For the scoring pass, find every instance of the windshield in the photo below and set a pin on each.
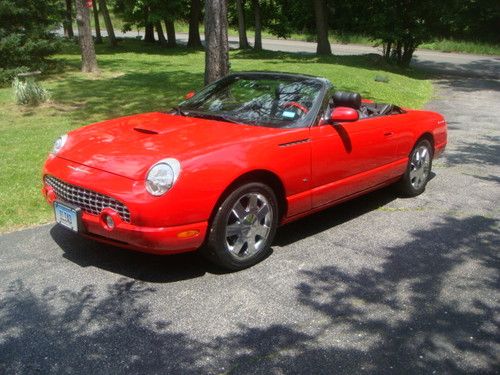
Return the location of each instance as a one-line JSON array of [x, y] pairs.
[[273, 101]]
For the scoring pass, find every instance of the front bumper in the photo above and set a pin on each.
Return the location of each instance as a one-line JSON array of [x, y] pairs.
[[138, 234], [163, 240]]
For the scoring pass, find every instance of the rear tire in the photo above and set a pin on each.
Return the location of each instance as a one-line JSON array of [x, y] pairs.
[[418, 171], [243, 227]]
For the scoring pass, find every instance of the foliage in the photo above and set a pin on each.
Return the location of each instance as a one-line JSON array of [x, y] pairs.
[[142, 12], [400, 25], [29, 92], [25, 34], [471, 20], [403, 25], [7, 75]]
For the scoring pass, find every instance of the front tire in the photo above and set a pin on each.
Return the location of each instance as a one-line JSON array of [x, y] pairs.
[[243, 227], [418, 171]]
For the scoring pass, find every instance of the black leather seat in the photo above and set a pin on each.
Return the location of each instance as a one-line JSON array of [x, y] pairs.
[[347, 99]]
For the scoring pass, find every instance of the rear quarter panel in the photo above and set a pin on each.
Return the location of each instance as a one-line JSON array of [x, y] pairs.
[[417, 124]]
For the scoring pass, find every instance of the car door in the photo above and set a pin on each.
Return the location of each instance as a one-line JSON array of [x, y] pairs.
[[349, 157]]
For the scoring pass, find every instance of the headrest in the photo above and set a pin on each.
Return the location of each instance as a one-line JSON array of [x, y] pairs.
[[347, 99]]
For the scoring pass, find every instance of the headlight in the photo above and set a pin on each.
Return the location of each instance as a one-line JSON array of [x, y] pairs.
[[162, 176], [59, 143]]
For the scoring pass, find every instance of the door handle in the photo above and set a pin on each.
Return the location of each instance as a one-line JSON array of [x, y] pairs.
[[388, 134]]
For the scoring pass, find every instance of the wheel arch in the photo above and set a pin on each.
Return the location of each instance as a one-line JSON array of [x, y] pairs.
[[258, 175], [429, 137]]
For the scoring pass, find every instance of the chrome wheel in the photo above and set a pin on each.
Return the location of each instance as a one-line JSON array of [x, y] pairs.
[[420, 166], [248, 225]]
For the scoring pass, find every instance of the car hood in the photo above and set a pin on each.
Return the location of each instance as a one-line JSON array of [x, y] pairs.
[[129, 146]]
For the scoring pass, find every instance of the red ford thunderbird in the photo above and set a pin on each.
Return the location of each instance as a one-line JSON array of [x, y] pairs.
[[232, 162]]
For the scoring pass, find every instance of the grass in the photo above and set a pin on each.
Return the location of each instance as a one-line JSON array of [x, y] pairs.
[[137, 78], [447, 45]]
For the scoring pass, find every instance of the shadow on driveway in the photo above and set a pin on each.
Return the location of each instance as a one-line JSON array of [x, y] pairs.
[[172, 268], [405, 315]]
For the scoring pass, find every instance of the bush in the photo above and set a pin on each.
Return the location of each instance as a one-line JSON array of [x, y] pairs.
[[29, 92]]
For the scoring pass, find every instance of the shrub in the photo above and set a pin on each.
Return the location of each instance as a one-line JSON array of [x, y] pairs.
[[29, 92]]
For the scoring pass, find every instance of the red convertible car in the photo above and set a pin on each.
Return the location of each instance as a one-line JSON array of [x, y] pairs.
[[234, 161]]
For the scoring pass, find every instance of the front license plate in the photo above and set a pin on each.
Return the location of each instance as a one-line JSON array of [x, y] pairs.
[[66, 216]]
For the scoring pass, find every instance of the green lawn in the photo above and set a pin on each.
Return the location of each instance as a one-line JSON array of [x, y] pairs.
[[138, 78], [448, 45]]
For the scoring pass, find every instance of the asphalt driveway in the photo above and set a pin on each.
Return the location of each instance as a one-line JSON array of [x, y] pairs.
[[377, 285]]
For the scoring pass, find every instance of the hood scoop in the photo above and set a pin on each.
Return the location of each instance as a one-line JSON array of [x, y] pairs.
[[146, 131]]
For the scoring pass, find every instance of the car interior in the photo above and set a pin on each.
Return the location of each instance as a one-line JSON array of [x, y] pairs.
[[366, 108]]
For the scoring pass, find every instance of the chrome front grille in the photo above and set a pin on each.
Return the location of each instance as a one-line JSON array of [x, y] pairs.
[[88, 200]]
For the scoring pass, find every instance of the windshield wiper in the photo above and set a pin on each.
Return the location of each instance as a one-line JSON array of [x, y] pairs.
[[215, 116], [179, 111]]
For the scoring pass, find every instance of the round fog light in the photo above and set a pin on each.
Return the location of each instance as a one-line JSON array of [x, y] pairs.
[[110, 222]]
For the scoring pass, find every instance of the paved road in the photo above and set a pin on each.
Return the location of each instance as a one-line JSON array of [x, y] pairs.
[[377, 285], [479, 66]]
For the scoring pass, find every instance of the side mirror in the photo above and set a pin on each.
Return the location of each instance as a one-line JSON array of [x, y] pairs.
[[344, 114], [189, 95]]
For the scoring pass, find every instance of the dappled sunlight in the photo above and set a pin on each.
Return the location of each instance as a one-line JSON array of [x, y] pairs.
[[415, 316], [128, 93], [484, 151], [404, 314], [89, 330]]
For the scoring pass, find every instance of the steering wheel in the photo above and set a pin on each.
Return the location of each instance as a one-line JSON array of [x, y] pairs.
[[296, 105]]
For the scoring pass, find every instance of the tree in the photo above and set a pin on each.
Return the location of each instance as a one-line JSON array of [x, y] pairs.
[[89, 60], [320, 12], [68, 20], [161, 35], [26, 38], [217, 44], [103, 7], [403, 25], [150, 14], [242, 30], [149, 32], [172, 42], [98, 37], [194, 39], [258, 25]]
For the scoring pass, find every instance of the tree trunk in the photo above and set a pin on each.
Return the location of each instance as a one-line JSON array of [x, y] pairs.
[[172, 42], [89, 60], [217, 44], [387, 50], [161, 36], [242, 30], [258, 26], [408, 50], [149, 33], [398, 52], [103, 7], [98, 37], [194, 39], [320, 12], [68, 20]]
